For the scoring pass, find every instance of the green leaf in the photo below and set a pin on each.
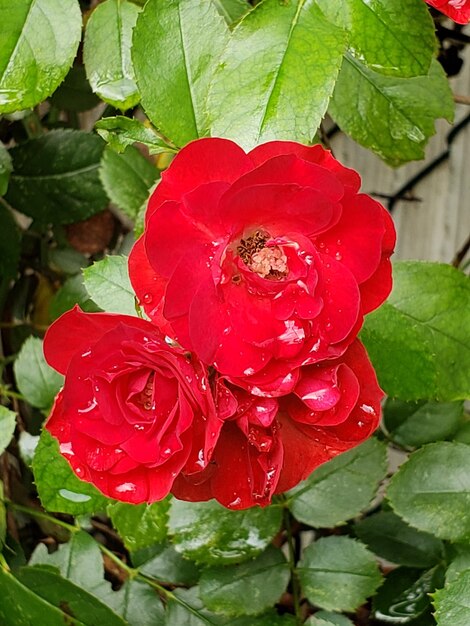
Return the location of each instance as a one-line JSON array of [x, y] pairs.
[[326, 617], [3, 518], [40, 596], [190, 611], [461, 563], [121, 132], [107, 53], [75, 93], [392, 116], [59, 489], [380, 35], [414, 424], [39, 42], [56, 177], [341, 488], [419, 340], [9, 244], [404, 596], [209, 533], [137, 603], [5, 169], [7, 427], [248, 588], [107, 282], [176, 46], [127, 178], [463, 434], [140, 525], [67, 260], [27, 446], [71, 293], [36, 380], [452, 603], [338, 573], [431, 491], [231, 10], [388, 536], [276, 74], [162, 562]]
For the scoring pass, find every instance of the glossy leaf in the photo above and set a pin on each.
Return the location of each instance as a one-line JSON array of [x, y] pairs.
[[392, 116], [7, 427], [58, 488], [322, 618], [75, 93], [461, 563], [127, 179], [36, 380], [431, 491], [209, 533], [419, 340], [39, 42], [162, 562], [246, 589], [107, 53], [107, 282], [191, 611], [121, 132], [231, 10], [388, 536], [276, 74], [56, 178], [380, 35], [452, 603], [140, 525], [417, 423], [341, 488], [404, 596], [5, 169], [173, 64], [9, 244], [338, 573]]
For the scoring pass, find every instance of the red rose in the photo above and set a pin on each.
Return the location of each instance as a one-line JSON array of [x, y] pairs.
[[134, 412], [458, 10], [268, 445], [262, 262]]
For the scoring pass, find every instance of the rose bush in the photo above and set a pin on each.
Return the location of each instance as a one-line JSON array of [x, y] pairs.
[[263, 262], [134, 412], [458, 10], [268, 445]]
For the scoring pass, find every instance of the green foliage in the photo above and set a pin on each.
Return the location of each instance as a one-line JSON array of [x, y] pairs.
[[411, 106], [121, 132], [39, 42], [209, 533], [7, 427], [388, 536], [248, 588], [127, 179], [5, 169], [341, 488], [107, 53], [36, 380], [452, 603], [419, 340], [338, 573], [58, 487], [231, 10], [56, 177], [285, 93], [172, 65], [326, 618], [162, 562], [71, 293], [414, 424], [108, 284], [140, 525], [431, 491]]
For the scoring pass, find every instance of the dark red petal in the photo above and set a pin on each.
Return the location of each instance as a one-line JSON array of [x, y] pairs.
[[314, 154]]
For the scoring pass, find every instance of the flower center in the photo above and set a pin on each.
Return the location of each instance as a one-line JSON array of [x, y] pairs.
[[266, 261]]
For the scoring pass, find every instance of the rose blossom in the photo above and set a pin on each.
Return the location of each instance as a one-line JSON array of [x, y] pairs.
[[458, 10], [268, 445], [134, 412], [263, 262]]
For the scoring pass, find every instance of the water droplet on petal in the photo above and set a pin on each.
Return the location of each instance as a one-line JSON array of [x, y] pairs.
[[147, 299], [338, 256]]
